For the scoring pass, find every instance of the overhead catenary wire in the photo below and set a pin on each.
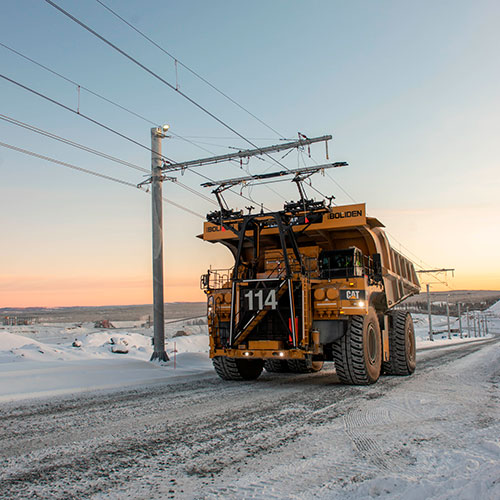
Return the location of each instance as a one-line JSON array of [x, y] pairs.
[[124, 109], [100, 96], [98, 153], [100, 124], [92, 172], [92, 120], [390, 234], [148, 70], [162, 80], [78, 85], [197, 75], [69, 142]]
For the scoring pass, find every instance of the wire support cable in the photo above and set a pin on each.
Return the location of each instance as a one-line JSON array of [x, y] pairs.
[[148, 70], [88, 149], [78, 85], [98, 153], [106, 99], [197, 75], [90, 119], [107, 128], [161, 79], [92, 172]]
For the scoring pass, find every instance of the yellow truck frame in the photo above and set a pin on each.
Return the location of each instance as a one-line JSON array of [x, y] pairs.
[[309, 286]]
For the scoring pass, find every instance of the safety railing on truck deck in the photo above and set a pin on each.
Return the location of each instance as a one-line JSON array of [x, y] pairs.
[[216, 279], [363, 267], [278, 268]]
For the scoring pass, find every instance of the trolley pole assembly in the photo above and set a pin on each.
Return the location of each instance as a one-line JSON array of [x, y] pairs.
[[158, 169], [159, 353]]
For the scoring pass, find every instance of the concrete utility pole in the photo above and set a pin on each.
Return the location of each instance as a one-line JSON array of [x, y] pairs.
[[468, 323], [157, 134], [429, 312], [460, 320], [431, 271], [448, 314], [474, 322]]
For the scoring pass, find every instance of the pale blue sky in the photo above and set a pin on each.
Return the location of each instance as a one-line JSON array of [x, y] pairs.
[[409, 90]]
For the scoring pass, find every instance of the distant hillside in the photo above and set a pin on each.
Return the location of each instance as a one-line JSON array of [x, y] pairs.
[[473, 299], [113, 313]]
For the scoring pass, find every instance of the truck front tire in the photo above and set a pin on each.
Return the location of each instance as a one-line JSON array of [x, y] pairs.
[[358, 353]]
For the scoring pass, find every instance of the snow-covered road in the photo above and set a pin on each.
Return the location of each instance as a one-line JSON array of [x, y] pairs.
[[435, 434]]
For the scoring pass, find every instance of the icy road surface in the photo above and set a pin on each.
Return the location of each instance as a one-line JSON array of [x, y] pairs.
[[435, 434]]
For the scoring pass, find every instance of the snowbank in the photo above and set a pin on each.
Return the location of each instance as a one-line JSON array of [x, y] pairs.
[[495, 309], [45, 360]]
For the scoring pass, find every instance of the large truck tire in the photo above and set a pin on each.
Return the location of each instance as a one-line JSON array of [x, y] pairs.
[[301, 366], [237, 369], [276, 365], [358, 353], [402, 355]]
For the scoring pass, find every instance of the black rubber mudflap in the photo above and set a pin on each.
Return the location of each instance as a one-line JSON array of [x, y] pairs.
[[401, 349], [276, 365], [237, 369]]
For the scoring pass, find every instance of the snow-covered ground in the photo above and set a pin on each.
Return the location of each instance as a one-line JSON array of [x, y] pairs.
[[40, 360], [117, 426]]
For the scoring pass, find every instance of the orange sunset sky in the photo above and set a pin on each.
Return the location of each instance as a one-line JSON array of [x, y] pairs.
[[410, 92]]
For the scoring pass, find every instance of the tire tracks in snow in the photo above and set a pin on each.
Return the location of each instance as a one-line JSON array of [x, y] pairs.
[[192, 432]]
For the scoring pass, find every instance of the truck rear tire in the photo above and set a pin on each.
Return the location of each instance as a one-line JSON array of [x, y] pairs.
[[358, 353], [402, 358], [301, 366], [276, 365], [237, 369]]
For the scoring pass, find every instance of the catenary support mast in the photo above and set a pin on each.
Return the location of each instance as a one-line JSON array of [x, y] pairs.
[[159, 353]]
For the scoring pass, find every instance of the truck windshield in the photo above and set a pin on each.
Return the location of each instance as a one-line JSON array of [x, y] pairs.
[[341, 263]]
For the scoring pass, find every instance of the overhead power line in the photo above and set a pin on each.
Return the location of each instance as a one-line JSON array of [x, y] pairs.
[[100, 96], [165, 82], [91, 172], [108, 128], [128, 111], [92, 120], [64, 164], [45, 133], [197, 75], [78, 85], [148, 70], [97, 153]]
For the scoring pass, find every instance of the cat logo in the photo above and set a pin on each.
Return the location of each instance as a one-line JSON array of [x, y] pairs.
[[352, 294]]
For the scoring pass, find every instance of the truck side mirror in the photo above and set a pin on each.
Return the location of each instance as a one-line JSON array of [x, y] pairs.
[[377, 267], [204, 281]]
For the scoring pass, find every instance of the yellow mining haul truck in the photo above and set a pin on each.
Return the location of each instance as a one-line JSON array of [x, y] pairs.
[[309, 286]]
